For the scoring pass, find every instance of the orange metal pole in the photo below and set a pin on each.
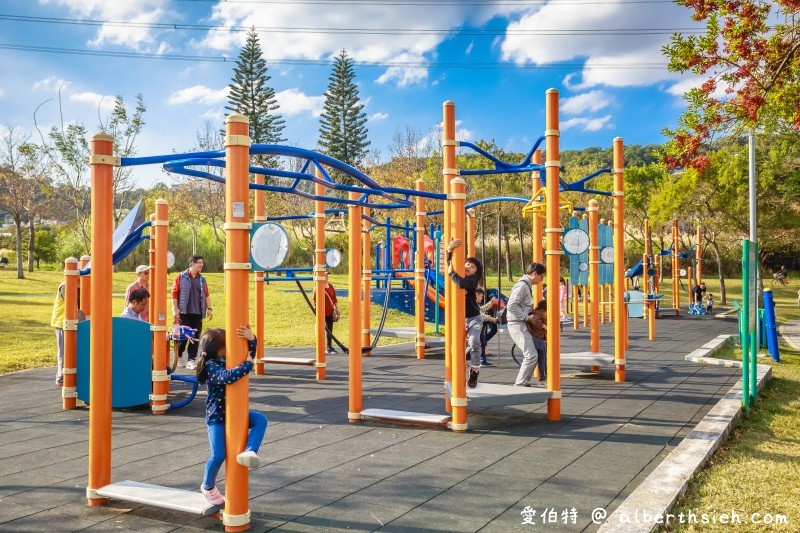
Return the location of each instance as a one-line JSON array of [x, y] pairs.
[[458, 317], [102, 164], [553, 253], [536, 182], [258, 281], [86, 289], [699, 254], [471, 233], [366, 267], [354, 270], [319, 278], [689, 280], [158, 297], [151, 257], [449, 171], [237, 313], [594, 276], [620, 309], [68, 391], [676, 285], [419, 272]]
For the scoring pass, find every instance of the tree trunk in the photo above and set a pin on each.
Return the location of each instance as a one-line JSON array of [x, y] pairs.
[[521, 247], [31, 244], [509, 275], [194, 240], [18, 225], [722, 292]]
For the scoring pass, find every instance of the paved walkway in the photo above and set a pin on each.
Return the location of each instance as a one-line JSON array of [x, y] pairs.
[[791, 333], [322, 472]]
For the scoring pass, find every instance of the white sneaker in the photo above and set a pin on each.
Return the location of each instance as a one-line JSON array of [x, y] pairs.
[[181, 362], [191, 364], [248, 458]]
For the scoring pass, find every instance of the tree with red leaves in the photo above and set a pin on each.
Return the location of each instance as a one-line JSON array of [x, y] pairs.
[[750, 54]]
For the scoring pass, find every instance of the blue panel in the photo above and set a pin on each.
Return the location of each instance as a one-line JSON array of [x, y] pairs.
[[583, 278], [131, 350]]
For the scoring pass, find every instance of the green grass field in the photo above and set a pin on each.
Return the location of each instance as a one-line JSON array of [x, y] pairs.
[[28, 341]]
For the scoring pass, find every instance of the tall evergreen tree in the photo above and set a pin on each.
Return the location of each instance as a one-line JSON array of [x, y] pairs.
[[343, 131], [252, 97]]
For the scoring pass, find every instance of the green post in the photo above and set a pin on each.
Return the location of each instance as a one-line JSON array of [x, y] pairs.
[[754, 342]]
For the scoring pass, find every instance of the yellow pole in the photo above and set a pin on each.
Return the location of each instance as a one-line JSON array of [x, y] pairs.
[[86, 288], [71, 282], [319, 279], [449, 171], [258, 281], [594, 276], [553, 254], [536, 182], [354, 300], [419, 273], [101, 162], [158, 295], [458, 317], [620, 309], [366, 272], [236, 516]]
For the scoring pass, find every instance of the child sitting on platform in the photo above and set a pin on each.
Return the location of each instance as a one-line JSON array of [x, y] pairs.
[[211, 371]]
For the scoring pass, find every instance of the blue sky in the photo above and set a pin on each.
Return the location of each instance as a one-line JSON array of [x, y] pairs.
[[494, 59]]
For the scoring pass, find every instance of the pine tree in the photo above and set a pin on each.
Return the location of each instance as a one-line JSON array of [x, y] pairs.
[[252, 97], [342, 132]]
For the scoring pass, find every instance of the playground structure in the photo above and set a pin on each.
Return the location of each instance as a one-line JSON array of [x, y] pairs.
[[365, 195]]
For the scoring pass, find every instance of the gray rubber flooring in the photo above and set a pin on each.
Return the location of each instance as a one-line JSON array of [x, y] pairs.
[[325, 474]]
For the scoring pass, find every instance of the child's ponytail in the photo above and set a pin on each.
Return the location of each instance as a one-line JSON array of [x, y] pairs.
[[211, 344]]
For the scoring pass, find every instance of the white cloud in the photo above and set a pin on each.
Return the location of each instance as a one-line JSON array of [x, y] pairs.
[[138, 38], [103, 102], [363, 46], [2, 93], [377, 116], [49, 84], [612, 58], [198, 93], [295, 102], [468, 51], [685, 85], [591, 101], [587, 123]]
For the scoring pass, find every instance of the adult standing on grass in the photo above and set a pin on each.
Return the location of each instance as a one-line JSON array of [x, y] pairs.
[[142, 282], [519, 311], [57, 322], [332, 312], [191, 304]]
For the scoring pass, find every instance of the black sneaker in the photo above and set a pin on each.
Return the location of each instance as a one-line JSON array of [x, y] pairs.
[[472, 382], [485, 362]]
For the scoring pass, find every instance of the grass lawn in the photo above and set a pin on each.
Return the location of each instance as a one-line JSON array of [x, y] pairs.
[[28, 341]]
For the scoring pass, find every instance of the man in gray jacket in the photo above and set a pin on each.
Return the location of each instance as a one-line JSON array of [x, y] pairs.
[[519, 308]]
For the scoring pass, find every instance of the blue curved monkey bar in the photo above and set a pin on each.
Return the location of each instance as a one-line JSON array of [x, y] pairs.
[[486, 201], [500, 166]]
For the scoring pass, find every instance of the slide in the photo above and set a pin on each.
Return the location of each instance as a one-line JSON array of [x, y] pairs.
[[635, 270], [431, 293]]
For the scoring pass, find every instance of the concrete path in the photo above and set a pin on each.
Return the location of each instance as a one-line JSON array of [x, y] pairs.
[[322, 472], [790, 332]]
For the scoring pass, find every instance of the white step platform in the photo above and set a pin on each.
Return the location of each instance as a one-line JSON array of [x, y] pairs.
[[166, 497], [303, 361], [407, 333], [405, 417], [587, 359], [492, 395]]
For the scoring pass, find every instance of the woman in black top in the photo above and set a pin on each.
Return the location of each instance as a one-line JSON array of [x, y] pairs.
[[474, 273]]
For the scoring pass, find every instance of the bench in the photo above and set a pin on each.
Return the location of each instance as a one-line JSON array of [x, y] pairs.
[[154, 495], [405, 417]]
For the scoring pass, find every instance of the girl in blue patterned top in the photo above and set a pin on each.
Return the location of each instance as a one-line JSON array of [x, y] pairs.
[[211, 371]]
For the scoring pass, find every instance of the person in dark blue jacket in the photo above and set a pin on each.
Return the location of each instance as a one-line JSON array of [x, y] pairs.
[[211, 371]]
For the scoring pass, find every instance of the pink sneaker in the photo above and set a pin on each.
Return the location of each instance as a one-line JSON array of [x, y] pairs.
[[213, 496]]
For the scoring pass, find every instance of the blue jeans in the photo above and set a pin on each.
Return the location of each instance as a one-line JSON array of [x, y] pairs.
[[216, 440]]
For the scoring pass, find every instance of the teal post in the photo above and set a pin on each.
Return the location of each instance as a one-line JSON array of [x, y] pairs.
[[754, 343], [744, 324]]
